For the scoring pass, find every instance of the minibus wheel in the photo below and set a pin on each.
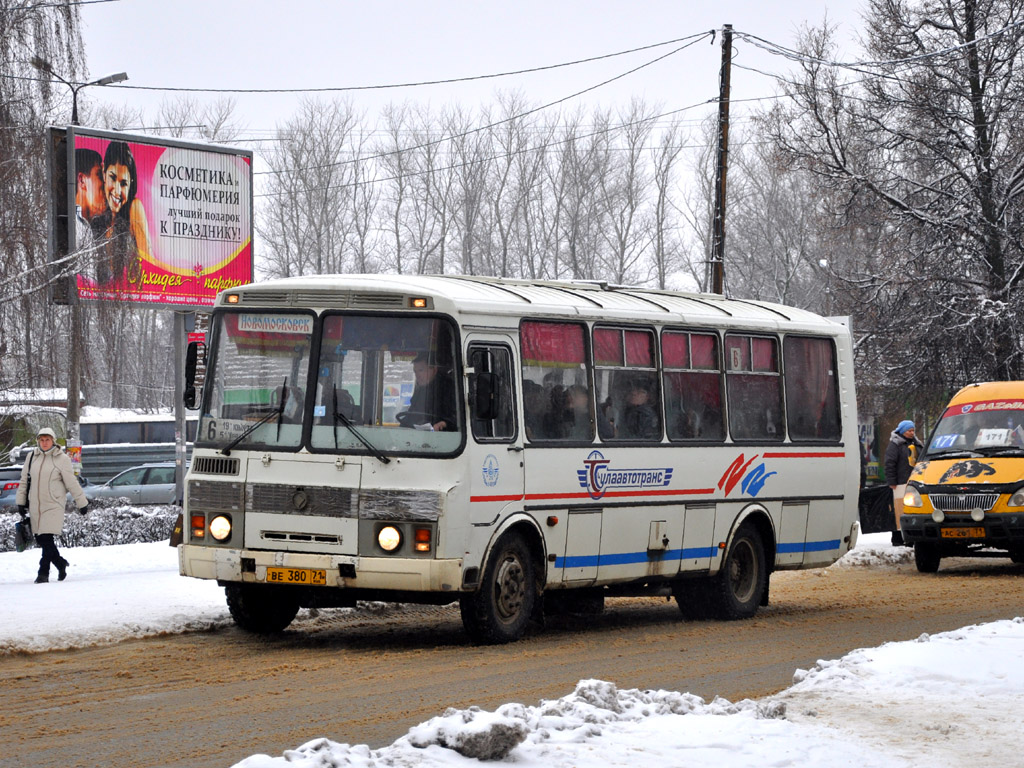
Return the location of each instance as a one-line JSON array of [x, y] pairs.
[[500, 609], [926, 557], [735, 592], [260, 608]]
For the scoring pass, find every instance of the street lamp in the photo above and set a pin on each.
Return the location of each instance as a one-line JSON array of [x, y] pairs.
[[75, 366], [44, 66]]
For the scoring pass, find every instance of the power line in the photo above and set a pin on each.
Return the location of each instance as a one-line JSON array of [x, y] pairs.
[[693, 41], [417, 84]]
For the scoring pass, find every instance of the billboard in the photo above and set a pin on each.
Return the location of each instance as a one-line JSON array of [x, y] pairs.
[[154, 221]]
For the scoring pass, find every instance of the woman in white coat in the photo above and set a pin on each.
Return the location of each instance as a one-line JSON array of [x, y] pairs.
[[46, 479]]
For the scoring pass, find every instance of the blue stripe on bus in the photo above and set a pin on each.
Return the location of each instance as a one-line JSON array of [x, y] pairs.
[[694, 553], [629, 558], [810, 546]]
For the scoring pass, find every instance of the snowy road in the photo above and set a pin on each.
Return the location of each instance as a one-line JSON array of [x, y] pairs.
[[211, 698]]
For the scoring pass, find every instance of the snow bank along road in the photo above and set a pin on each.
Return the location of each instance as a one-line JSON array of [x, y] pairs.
[[367, 676]]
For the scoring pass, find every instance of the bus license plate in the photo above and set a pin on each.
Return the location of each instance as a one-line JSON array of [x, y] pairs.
[[308, 576], [971, 532]]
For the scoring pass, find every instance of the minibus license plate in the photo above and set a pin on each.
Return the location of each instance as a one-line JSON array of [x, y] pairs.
[[309, 576], [971, 532]]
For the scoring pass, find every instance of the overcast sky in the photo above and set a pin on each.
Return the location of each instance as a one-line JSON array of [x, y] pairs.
[[320, 43]]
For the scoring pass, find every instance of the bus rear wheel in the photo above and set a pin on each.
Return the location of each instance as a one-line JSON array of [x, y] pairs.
[[926, 557], [261, 608], [500, 609], [735, 591]]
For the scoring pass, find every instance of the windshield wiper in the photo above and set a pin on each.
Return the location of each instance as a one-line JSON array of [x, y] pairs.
[[339, 416], [279, 412], [958, 454], [1001, 450]]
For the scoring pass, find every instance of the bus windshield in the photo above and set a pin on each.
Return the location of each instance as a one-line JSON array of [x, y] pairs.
[[379, 385], [979, 428], [386, 381], [257, 380]]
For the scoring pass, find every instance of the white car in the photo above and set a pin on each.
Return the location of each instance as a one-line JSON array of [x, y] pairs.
[[145, 484]]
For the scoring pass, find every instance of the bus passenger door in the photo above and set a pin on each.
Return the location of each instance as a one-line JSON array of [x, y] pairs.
[[495, 448]]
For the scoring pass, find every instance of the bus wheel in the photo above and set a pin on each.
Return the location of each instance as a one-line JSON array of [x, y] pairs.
[[926, 557], [735, 591], [500, 609], [261, 609]]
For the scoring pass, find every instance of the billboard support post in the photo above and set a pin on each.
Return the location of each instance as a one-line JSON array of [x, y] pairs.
[[179, 406]]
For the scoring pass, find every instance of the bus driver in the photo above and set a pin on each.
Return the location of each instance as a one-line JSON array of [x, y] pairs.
[[433, 399]]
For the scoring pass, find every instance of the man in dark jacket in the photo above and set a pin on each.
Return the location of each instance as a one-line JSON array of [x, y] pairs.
[[900, 458], [433, 398]]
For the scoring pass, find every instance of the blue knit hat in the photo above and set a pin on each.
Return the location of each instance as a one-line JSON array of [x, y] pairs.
[[903, 426]]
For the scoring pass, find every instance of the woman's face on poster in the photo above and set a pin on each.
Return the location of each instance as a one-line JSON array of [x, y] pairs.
[[117, 181]]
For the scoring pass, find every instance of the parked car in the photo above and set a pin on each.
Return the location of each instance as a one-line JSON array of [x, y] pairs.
[[145, 484], [10, 477]]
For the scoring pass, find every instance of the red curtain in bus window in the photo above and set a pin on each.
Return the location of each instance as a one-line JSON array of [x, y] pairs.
[[764, 355], [559, 343], [333, 326], [704, 349], [607, 346], [639, 349], [737, 353], [675, 350]]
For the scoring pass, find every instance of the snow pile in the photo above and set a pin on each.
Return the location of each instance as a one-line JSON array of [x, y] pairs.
[[904, 704]]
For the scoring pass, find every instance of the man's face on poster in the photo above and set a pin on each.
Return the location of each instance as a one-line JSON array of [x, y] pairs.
[[90, 193], [117, 182]]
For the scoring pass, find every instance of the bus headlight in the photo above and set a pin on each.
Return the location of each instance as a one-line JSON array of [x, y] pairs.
[[1017, 499], [220, 527], [389, 538], [912, 498]]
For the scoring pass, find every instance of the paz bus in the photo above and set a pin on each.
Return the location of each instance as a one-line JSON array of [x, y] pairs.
[[596, 440]]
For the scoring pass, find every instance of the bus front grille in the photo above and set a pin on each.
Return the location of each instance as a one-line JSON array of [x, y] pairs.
[[965, 502], [215, 465]]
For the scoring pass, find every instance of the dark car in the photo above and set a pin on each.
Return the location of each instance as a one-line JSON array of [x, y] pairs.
[[145, 484], [10, 477]]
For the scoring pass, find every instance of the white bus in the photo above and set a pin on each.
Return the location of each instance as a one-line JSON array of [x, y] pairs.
[[516, 446]]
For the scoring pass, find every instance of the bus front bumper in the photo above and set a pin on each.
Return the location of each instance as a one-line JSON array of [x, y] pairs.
[[386, 573]]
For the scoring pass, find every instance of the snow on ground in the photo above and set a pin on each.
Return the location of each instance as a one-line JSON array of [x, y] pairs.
[[941, 700]]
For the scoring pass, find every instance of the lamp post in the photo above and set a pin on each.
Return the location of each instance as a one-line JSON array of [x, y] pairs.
[[44, 66], [75, 366]]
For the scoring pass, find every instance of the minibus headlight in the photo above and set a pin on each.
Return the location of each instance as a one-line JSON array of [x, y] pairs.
[[389, 538], [220, 527], [912, 498], [1017, 499]]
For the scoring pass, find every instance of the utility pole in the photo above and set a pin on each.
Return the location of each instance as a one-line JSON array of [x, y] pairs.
[[716, 265]]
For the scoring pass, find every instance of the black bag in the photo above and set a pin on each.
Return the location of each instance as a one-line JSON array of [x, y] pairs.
[[23, 535]]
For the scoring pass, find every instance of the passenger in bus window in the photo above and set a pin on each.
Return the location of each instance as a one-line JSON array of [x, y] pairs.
[[606, 419], [640, 419], [534, 410], [433, 398], [578, 410]]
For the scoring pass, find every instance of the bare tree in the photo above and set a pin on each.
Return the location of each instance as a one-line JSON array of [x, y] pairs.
[[932, 132]]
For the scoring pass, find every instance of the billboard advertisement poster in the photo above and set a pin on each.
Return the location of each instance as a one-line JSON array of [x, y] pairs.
[[157, 221]]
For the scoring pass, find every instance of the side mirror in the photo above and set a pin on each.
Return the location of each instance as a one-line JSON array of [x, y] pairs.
[[484, 407], [192, 356]]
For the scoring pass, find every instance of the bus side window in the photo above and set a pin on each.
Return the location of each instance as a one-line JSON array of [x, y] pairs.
[[498, 421]]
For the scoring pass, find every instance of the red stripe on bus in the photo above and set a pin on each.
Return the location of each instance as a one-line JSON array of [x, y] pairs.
[[808, 455], [517, 497]]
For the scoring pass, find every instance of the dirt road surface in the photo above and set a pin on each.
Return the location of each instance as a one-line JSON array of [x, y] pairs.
[[213, 699]]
